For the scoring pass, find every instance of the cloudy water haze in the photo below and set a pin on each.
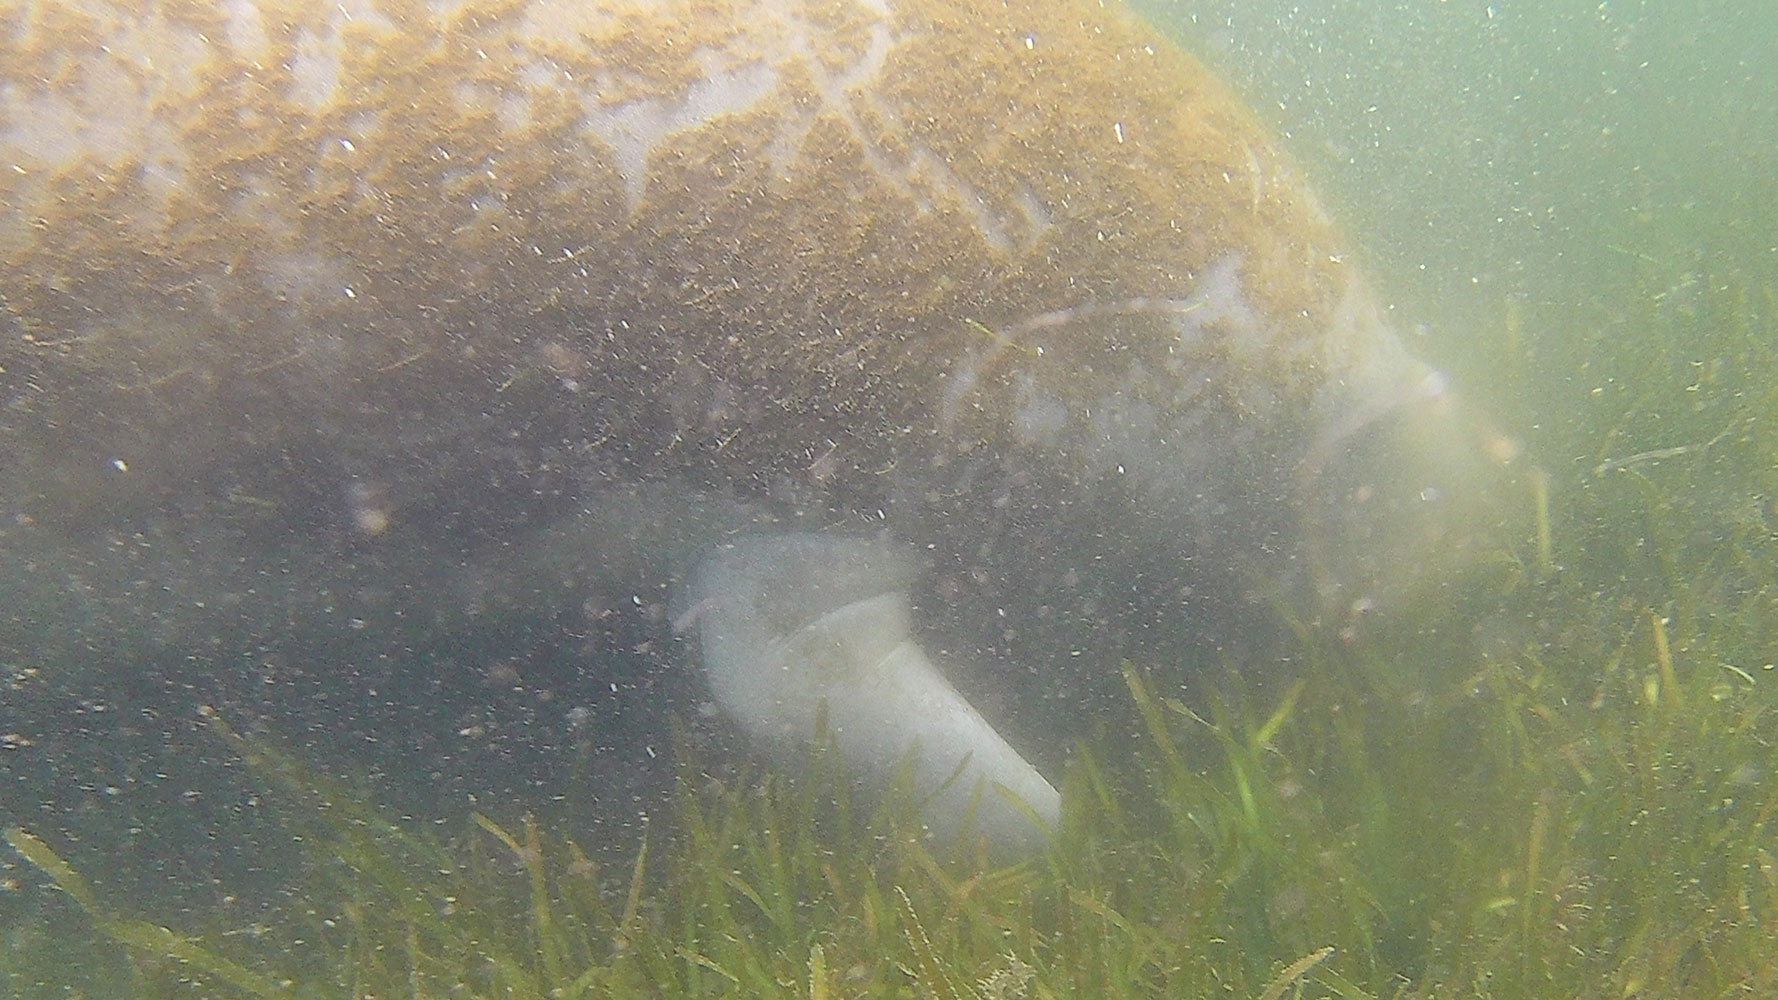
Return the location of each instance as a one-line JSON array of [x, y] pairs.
[[1512, 735]]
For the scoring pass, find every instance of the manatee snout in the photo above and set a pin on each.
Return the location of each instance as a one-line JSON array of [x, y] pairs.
[[1403, 498]]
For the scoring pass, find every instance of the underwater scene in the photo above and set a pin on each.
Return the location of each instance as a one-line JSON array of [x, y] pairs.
[[888, 498]]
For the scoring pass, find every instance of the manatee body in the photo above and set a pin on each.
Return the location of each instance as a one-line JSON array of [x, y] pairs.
[[379, 285]]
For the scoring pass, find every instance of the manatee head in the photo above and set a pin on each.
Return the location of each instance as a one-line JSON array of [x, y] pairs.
[[1401, 501]]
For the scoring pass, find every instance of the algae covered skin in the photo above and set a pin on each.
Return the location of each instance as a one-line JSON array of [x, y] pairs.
[[1022, 283]]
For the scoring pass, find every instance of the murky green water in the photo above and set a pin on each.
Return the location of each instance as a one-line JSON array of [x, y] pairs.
[[1558, 778], [1517, 149]]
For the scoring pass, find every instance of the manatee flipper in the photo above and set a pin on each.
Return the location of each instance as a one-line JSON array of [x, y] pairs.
[[790, 622]]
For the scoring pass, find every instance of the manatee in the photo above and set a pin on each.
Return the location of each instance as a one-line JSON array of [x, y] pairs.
[[880, 337]]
